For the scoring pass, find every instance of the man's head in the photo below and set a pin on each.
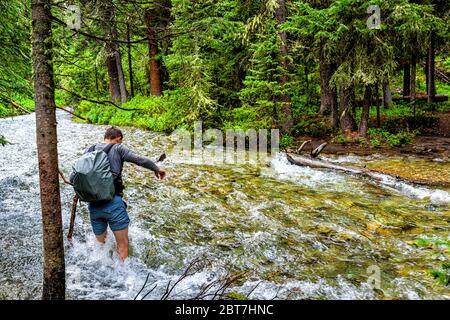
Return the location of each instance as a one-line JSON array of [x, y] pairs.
[[113, 135]]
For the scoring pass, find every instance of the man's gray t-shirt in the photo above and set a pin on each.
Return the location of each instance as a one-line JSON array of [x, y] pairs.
[[119, 154]]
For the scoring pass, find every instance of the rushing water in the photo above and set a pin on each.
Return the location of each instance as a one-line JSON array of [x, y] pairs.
[[296, 232]]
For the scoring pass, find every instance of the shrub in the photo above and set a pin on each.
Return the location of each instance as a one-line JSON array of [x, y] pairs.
[[3, 141], [286, 141], [378, 136], [314, 126], [375, 142], [162, 114]]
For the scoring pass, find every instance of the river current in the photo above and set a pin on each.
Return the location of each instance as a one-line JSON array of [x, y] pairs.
[[293, 232]]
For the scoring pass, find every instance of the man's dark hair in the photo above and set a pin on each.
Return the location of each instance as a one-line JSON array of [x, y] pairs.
[[112, 133]]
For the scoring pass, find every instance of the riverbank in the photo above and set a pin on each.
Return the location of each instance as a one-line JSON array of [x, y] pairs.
[[429, 147], [433, 145]]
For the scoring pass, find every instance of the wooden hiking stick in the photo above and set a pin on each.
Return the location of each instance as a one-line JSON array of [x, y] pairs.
[[74, 207], [72, 217]]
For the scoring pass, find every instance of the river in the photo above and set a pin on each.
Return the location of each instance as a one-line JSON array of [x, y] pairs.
[[298, 233]]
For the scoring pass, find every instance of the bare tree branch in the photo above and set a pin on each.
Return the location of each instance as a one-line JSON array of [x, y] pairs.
[[102, 102], [145, 283], [72, 113]]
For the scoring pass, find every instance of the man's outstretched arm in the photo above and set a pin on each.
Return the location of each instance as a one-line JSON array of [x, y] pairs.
[[130, 156]]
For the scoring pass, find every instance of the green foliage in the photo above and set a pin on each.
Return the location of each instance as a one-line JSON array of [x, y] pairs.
[[236, 296], [375, 142], [222, 61], [346, 139], [429, 242], [378, 136], [162, 114], [315, 126], [15, 56], [25, 101], [442, 274], [3, 141], [286, 141]]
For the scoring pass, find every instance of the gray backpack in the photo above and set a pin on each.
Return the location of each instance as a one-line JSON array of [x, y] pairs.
[[91, 177]]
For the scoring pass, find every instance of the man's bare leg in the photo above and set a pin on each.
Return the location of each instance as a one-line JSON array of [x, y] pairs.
[[122, 243], [102, 238]]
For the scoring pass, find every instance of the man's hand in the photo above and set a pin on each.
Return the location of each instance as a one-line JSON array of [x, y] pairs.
[[160, 174]]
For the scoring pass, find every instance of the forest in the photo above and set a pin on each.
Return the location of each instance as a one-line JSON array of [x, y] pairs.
[[365, 84], [310, 68]]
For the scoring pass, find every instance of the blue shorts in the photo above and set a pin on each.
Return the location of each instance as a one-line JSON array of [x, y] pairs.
[[112, 213]]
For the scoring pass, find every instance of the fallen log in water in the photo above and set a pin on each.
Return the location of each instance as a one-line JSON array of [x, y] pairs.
[[422, 97], [313, 162], [418, 97]]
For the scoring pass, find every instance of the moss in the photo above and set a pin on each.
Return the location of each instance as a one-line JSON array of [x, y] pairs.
[[236, 296], [3, 141]]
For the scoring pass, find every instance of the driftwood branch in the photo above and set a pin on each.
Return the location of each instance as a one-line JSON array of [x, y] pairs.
[[303, 145], [315, 153], [300, 160], [422, 97]]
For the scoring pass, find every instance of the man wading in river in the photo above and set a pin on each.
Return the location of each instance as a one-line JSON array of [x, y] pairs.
[[113, 212]]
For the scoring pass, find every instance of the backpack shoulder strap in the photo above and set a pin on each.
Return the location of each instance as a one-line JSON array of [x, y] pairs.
[[91, 148], [108, 148]]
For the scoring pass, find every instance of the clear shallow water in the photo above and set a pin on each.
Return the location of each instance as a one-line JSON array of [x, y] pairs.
[[297, 232]]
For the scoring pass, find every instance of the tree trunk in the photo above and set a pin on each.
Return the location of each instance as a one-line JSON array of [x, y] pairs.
[[406, 80], [377, 104], [431, 85], [334, 109], [413, 86], [117, 88], [425, 71], [166, 42], [155, 68], [285, 99], [46, 139], [347, 121], [122, 86], [166, 20], [364, 124], [307, 84], [326, 91], [96, 79], [387, 95], [113, 73], [130, 63]]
